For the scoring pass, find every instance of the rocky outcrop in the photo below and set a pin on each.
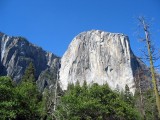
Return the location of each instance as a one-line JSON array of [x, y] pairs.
[[95, 56], [16, 53], [100, 57]]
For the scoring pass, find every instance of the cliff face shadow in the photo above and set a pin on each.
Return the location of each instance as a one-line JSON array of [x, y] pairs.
[[3, 70]]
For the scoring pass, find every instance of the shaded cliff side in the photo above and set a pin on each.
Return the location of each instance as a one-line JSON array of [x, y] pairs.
[[16, 53]]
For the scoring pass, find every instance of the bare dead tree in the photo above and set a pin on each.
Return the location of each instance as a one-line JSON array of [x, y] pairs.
[[150, 56], [52, 96]]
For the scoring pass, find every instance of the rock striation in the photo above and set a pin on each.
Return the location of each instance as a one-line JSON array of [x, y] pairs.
[[100, 57], [15, 55]]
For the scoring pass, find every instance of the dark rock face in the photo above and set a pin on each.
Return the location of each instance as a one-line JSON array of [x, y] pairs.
[[47, 79], [16, 53]]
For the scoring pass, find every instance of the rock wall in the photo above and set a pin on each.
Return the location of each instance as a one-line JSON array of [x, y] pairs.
[[16, 53], [95, 56], [99, 57]]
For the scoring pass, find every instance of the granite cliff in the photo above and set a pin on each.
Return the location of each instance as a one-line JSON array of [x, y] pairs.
[[100, 57], [15, 55]]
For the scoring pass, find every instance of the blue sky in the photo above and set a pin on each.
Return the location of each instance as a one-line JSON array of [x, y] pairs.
[[52, 24]]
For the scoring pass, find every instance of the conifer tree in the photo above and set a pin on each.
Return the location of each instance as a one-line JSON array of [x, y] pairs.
[[29, 97], [29, 74], [8, 101], [128, 97]]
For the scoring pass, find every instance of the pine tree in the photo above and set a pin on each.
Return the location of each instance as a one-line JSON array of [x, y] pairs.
[[29, 98], [8, 101], [128, 97], [29, 74]]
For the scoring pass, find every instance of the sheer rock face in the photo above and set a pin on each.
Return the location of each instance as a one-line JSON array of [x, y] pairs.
[[16, 53], [99, 57], [95, 56]]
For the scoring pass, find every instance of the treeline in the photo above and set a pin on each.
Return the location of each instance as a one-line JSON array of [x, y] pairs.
[[22, 101], [94, 102], [99, 102]]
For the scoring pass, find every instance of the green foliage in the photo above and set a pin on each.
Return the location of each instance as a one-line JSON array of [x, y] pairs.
[[94, 102], [29, 99], [29, 74], [22, 102], [128, 97], [150, 105], [45, 101], [8, 102], [149, 102]]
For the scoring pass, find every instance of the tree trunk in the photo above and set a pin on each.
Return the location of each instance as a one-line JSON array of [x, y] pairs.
[[147, 36], [141, 95]]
